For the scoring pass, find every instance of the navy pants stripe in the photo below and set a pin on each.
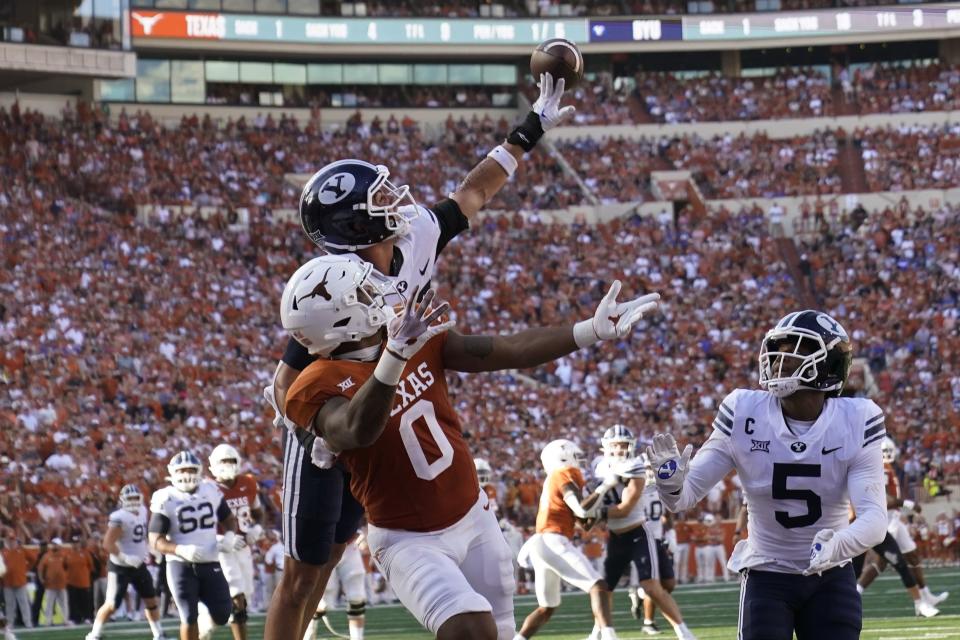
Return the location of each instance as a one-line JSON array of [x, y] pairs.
[[775, 605]]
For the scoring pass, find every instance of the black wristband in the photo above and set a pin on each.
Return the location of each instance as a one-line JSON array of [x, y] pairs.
[[528, 133]]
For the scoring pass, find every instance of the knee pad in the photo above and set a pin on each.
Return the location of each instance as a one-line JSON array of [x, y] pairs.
[[356, 608], [239, 615], [906, 576]]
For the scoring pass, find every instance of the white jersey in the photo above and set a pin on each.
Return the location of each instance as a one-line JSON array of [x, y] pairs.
[[796, 485], [652, 511], [133, 533], [193, 516], [418, 249], [614, 497]]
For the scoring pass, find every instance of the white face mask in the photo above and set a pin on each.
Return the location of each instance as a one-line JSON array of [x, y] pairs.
[[366, 354]]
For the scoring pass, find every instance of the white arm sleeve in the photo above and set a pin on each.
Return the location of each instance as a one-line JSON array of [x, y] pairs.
[[865, 486], [570, 498], [707, 467]]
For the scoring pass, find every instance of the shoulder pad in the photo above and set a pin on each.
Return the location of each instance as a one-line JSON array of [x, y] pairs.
[[726, 412], [874, 429]]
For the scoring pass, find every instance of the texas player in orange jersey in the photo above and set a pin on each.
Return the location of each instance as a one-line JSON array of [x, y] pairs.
[[551, 551], [241, 493], [384, 410]]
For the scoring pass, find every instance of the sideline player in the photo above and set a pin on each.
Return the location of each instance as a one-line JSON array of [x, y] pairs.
[[803, 455], [126, 542], [431, 529], [183, 527], [350, 577], [632, 539], [241, 493], [551, 552], [351, 208]]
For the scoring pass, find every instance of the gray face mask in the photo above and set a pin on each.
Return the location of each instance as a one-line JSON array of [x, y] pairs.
[[367, 354]]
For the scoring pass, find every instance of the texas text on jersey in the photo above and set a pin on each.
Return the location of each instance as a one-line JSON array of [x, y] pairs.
[[242, 498], [431, 487]]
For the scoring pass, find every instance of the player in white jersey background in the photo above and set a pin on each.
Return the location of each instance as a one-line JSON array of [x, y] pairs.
[[126, 542], [803, 455], [631, 542], [183, 527]]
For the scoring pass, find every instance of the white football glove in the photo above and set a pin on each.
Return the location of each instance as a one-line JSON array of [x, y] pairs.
[[548, 106], [195, 553], [631, 468], [613, 319], [412, 329], [230, 542], [255, 531], [669, 465], [822, 552], [130, 559]]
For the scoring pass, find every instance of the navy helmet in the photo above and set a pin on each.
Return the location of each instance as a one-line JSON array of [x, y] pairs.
[[351, 204], [817, 356]]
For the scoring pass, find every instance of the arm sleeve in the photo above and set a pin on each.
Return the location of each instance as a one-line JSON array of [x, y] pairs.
[[451, 221], [869, 499], [571, 500], [710, 464], [223, 511], [159, 523], [296, 355]]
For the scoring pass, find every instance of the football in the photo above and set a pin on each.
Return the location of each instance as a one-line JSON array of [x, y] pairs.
[[561, 59]]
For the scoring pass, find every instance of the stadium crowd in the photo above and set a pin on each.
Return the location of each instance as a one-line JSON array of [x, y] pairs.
[[911, 157], [123, 342]]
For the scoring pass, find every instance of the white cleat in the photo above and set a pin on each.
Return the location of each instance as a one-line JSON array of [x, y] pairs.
[[90, 636], [924, 609], [937, 598]]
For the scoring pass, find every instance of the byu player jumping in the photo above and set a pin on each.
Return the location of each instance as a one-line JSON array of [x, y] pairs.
[[803, 455], [183, 527], [351, 208], [126, 541]]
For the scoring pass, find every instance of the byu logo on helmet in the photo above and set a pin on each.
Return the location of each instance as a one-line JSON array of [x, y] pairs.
[[336, 188], [830, 324], [667, 469]]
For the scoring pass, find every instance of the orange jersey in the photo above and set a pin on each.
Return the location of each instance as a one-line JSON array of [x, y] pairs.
[[491, 492], [893, 485], [554, 516], [419, 474], [242, 497]]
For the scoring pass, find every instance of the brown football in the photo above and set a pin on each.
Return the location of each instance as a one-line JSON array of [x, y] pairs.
[[561, 59]]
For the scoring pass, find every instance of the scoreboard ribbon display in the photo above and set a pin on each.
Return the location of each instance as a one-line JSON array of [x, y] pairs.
[[780, 24], [257, 28]]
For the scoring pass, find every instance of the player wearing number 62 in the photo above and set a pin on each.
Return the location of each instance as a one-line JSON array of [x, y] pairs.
[[183, 527], [803, 455], [380, 402]]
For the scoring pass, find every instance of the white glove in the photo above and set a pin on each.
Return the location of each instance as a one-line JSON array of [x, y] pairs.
[[230, 542], [271, 398], [410, 330], [608, 483], [547, 105], [255, 531], [822, 552], [130, 559], [320, 455], [668, 463], [613, 319], [193, 552], [910, 505]]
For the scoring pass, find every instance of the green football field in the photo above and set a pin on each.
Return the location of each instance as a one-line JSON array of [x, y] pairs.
[[710, 612]]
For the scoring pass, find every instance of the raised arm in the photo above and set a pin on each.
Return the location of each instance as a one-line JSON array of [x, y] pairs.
[[487, 178], [540, 345], [682, 482]]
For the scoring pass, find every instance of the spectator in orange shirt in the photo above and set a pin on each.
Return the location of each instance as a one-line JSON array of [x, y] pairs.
[[79, 565], [15, 582], [53, 576]]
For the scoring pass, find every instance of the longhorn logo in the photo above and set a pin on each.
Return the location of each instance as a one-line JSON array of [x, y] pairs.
[[319, 290], [147, 22]]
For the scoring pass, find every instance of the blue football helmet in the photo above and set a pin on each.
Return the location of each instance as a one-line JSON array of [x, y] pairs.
[[351, 204], [806, 350]]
